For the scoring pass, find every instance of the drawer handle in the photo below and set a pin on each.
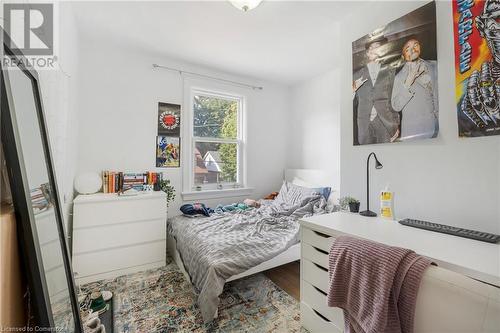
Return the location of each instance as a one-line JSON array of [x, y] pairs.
[[320, 250], [321, 291], [320, 267], [321, 234], [320, 315]]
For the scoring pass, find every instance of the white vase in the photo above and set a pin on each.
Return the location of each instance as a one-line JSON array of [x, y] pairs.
[[88, 183]]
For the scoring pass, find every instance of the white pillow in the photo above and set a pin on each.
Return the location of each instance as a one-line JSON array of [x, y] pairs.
[[300, 182], [292, 194]]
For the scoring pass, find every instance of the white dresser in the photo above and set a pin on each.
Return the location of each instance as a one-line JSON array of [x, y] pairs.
[[116, 235], [450, 298]]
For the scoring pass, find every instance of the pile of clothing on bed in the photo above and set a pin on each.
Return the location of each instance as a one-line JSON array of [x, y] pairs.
[[199, 209], [227, 241]]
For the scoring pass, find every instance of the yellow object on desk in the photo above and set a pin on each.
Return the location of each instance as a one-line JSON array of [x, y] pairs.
[[387, 204]]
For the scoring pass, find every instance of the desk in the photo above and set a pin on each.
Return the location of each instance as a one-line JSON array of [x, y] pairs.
[[478, 260], [448, 300]]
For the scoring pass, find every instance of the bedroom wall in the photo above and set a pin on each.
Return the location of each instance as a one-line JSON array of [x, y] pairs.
[[315, 126], [119, 98], [446, 180]]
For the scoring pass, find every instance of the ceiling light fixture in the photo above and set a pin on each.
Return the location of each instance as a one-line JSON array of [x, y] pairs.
[[245, 5]]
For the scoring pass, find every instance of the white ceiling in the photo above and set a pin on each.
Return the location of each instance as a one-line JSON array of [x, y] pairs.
[[281, 41]]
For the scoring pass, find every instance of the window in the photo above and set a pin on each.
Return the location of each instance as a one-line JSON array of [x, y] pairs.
[[217, 141]]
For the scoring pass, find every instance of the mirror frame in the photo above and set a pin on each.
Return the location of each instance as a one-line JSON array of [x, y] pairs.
[[30, 247]]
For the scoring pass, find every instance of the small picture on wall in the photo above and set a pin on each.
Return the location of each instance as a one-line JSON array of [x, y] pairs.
[[395, 84], [169, 119], [167, 152]]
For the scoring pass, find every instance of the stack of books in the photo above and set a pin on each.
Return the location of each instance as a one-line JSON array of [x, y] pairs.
[[117, 182], [133, 180], [38, 200]]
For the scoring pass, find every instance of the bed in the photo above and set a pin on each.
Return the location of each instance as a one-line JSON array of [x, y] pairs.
[[229, 246]]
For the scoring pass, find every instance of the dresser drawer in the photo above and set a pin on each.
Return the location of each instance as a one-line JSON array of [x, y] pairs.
[[316, 299], [51, 255], [115, 259], [91, 214], [315, 255], [116, 235], [46, 227], [314, 322], [317, 239], [315, 275], [56, 282]]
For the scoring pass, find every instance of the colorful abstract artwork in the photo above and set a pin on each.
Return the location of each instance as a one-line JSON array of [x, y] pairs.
[[477, 66], [167, 152]]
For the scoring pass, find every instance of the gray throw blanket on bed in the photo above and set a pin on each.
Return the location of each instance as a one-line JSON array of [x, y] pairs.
[[217, 247]]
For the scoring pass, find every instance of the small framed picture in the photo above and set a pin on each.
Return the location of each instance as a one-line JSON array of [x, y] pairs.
[[169, 119], [167, 152]]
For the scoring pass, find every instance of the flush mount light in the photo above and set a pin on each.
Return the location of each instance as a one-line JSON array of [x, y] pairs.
[[245, 5]]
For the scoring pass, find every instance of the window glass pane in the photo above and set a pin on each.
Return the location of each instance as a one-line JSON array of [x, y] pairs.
[[215, 163], [215, 117]]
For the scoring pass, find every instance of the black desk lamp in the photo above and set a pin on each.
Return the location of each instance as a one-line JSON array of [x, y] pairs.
[[378, 166]]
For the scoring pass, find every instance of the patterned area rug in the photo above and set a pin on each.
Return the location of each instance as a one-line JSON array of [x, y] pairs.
[[162, 300]]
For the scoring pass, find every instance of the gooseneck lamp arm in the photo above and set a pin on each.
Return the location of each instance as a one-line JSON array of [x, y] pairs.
[[378, 165], [368, 181]]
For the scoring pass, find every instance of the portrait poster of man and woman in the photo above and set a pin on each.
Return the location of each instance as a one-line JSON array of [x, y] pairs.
[[395, 95]]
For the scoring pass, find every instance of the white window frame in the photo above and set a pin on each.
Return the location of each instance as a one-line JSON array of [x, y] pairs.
[[190, 190]]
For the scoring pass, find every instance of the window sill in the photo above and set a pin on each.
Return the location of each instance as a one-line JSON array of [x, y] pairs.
[[214, 194]]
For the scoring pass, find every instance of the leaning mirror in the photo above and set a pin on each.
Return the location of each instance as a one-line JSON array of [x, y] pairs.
[[34, 192]]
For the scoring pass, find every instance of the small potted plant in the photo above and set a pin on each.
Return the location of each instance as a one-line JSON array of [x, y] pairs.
[[350, 202]]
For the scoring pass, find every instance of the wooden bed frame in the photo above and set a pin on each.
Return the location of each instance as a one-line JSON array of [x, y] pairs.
[[316, 177]]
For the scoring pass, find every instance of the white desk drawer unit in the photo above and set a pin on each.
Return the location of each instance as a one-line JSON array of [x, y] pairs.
[[316, 298], [316, 316], [315, 255], [313, 321], [116, 235], [315, 274], [448, 301], [317, 239]]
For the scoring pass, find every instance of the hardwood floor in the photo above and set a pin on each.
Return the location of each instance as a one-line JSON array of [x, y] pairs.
[[287, 277]]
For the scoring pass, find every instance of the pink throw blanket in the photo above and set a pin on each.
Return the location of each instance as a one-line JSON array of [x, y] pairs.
[[376, 285]]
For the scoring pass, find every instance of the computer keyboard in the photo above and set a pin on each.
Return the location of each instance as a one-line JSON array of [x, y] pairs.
[[446, 229]]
